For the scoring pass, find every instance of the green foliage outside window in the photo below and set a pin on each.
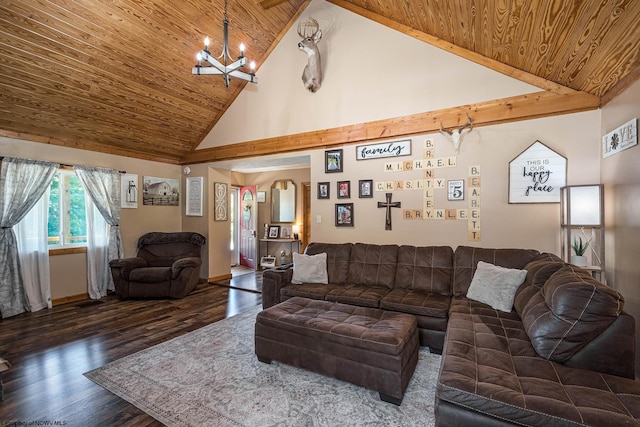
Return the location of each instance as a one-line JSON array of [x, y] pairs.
[[67, 216]]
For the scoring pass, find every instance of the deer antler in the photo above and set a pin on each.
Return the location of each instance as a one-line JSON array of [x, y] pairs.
[[308, 28], [455, 134], [468, 124]]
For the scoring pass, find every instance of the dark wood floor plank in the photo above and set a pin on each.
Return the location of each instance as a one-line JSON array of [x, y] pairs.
[[51, 349]]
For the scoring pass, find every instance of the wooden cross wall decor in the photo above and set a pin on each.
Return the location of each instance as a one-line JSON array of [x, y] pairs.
[[388, 204]]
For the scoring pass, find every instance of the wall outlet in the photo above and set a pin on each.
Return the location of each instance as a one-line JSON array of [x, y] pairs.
[[319, 219]]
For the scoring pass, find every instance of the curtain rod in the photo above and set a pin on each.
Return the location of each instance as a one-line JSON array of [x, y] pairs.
[[63, 165]]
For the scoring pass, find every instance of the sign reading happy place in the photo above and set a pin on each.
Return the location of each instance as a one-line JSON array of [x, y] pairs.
[[536, 175]]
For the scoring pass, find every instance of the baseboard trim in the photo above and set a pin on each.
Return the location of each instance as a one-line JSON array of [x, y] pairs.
[[70, 298], [218, 278]]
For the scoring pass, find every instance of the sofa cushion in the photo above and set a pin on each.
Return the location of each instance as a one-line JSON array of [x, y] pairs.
[[306, 290], [373, 265], [466, 260], [338, 255], [495, 286], [538, 271], [418, 302], [570, 310], [489, 367], [150, 274], [309, 268], [425, 268], [361, 295]]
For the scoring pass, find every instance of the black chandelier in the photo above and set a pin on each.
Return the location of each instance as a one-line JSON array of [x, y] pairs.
[[224, 64]]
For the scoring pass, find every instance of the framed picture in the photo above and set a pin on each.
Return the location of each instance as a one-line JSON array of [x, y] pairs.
[[455, 189], [193, 198], [262, 196], [129, 190], [344, 189], [158, 191], [333, 161], [365, 188], [274, 231], [285, 232], [344, 214], [323, 190]]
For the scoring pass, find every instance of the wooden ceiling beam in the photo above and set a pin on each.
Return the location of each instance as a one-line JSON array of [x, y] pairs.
[[516, 108], [91, 146]]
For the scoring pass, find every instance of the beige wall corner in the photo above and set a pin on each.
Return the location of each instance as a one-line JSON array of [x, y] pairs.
[[621, 178]]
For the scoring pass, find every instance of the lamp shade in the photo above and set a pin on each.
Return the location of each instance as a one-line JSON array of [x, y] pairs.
[[583, 205]]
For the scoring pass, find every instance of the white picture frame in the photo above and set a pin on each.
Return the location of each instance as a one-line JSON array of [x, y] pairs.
[[455, 189], [129, 186], [194, 192]]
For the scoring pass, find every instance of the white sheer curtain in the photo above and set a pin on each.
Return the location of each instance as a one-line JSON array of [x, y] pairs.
[[33, 249], [22, 184], [103, 242], [98, 274]]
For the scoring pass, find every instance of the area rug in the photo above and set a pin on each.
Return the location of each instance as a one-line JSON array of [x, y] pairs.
[[211, 377]]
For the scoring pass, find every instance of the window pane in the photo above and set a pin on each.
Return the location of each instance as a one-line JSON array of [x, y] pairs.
[[54, 211], [67, 221], [77, 218]]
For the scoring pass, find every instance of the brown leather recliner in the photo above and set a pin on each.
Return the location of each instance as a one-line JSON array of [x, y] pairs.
[[167, 265]]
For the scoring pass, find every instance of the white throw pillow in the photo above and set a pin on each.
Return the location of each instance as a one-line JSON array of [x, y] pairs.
[[309, 268], [495, 286]]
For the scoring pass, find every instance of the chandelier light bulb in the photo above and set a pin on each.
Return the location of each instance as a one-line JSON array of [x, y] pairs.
[[199, 57], [241, 49], [252, 65], [206, 43]]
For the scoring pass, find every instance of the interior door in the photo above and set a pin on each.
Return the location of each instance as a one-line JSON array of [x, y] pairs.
[[248, 224]]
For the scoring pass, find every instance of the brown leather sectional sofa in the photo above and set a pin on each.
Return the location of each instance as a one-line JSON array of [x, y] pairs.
[[565, 354]]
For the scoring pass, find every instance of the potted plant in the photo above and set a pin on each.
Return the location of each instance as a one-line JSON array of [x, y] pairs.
[[579, 247]]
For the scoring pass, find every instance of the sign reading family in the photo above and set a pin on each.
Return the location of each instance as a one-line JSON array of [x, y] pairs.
[[536, 175], [383, 149]]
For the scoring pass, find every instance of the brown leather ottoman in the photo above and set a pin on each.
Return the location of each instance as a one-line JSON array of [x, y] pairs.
[[369, 347]]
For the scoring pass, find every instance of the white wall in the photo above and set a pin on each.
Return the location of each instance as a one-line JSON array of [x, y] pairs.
[[621, 177], [370, 72]]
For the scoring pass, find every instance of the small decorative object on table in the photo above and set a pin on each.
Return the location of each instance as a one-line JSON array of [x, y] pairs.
[[274, 231], [579, 259], [285, 258]]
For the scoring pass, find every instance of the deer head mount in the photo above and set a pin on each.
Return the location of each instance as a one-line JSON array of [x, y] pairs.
[[310, 32], [455, 134]]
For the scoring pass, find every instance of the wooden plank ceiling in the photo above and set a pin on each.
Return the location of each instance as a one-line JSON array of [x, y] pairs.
[[114, 75]]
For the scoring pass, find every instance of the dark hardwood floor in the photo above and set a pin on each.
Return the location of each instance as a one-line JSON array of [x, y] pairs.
[[51, 349]]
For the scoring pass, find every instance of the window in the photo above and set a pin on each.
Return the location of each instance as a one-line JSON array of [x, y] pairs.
[[67, 219]]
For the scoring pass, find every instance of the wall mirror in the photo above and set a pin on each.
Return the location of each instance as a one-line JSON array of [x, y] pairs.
[[283, 201]]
